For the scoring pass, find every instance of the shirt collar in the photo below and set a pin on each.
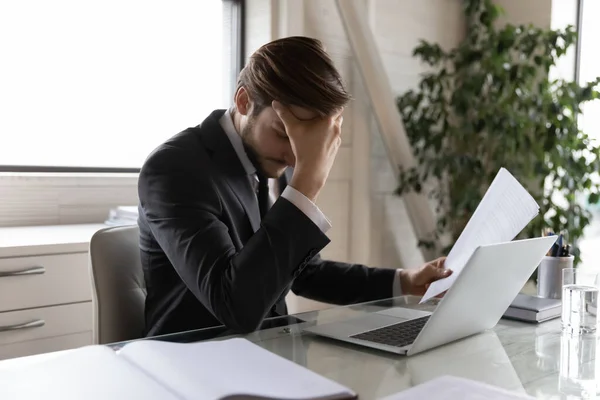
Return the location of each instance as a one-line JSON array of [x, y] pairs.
[[226, 123]]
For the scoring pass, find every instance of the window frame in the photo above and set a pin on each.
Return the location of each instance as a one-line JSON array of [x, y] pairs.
[[237, 63], [578, 29]]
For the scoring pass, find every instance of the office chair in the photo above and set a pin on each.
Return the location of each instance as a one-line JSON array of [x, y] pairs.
[[118, 287]]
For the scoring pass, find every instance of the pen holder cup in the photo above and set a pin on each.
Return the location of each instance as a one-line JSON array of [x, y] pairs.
[[549, 280]]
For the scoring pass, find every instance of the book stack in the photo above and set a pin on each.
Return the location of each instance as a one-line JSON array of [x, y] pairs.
[[122, 215], [533, 309]]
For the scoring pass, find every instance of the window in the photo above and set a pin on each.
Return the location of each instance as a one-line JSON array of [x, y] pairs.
[[564, 13], [588, 65], [587, 68], [98, 84]]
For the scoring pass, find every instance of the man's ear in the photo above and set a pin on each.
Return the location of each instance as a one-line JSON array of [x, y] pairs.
[[242, 101]]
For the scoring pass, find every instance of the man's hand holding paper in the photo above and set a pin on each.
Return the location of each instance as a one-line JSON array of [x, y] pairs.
[[506, 208], [416, 281]]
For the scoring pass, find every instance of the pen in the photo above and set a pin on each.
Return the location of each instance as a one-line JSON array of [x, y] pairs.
[[558, 249], [553, 251], [548, 232]]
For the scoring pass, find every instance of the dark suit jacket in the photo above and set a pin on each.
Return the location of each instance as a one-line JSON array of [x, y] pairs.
[[207, 257]]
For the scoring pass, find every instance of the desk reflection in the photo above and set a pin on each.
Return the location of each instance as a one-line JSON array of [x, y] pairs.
[[481, 357], [579, 366]]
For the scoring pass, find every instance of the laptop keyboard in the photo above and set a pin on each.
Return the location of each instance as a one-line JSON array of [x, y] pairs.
[[397, 335]]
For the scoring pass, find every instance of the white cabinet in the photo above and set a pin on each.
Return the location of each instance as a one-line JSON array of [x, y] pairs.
[[45, 289], [39, 281]]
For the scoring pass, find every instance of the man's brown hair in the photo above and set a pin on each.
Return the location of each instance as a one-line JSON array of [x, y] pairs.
[[295, 71]]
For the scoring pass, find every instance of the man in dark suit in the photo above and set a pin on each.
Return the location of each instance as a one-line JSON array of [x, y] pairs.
[[227, 228]]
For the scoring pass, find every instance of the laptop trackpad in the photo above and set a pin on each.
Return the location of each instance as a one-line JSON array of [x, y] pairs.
[[371, 321], [353, 326], [404, 313]]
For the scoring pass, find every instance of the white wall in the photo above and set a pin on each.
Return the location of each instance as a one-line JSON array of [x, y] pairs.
[[536, 12], [258, 25], [398, 25]]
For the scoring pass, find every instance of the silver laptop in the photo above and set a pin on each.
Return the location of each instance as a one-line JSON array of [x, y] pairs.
[[481, 293]]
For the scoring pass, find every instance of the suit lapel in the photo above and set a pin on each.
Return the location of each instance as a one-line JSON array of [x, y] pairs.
[[224, 155], [241, 187]]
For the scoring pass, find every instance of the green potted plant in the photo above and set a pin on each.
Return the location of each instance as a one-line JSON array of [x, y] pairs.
[[489, 103]]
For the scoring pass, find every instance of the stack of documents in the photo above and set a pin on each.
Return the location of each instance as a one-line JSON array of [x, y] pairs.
[[122, 215]]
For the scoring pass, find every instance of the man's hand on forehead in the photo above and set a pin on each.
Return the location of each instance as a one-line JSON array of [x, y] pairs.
[[315, 143]]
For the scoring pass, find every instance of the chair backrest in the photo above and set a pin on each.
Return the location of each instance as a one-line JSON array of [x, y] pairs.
[[118, 287]]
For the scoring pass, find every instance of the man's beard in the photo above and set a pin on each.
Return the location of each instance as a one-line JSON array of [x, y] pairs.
[[246, 135]]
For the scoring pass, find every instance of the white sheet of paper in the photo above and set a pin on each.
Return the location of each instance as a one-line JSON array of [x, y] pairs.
[[229, 368], [453, 388], [506, 208], [90, 373]]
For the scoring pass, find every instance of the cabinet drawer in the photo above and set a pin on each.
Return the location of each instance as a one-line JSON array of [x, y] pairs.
[[38, 323], [47, 345], [38, 281]]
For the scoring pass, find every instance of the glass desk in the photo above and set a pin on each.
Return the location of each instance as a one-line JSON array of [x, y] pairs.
[[526, 358]]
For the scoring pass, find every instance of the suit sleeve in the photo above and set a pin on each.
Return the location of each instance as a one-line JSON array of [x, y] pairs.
[[184, 213], [342, 283]]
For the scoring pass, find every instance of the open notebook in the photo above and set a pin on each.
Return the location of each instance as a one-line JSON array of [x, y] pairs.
[[152, 370]]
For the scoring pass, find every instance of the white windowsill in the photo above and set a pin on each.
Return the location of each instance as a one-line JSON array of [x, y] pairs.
[[28, 198], [65, 175]]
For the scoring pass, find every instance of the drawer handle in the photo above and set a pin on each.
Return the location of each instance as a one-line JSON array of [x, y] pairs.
[[36, 323], [24, 271]]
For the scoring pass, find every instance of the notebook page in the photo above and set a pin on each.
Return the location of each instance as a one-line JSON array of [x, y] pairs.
[[230, 367], [505, 209], [90, 373], [453, 388]]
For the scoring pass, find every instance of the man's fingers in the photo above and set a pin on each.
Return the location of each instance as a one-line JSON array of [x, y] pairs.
[[284, 113], [441, 266], [439, 262], [436, 270]]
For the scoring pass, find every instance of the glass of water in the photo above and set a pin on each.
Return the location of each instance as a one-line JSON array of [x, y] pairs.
[[579, 300]]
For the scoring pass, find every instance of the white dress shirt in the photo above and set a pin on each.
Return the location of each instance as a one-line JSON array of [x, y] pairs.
[[302, 202]]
